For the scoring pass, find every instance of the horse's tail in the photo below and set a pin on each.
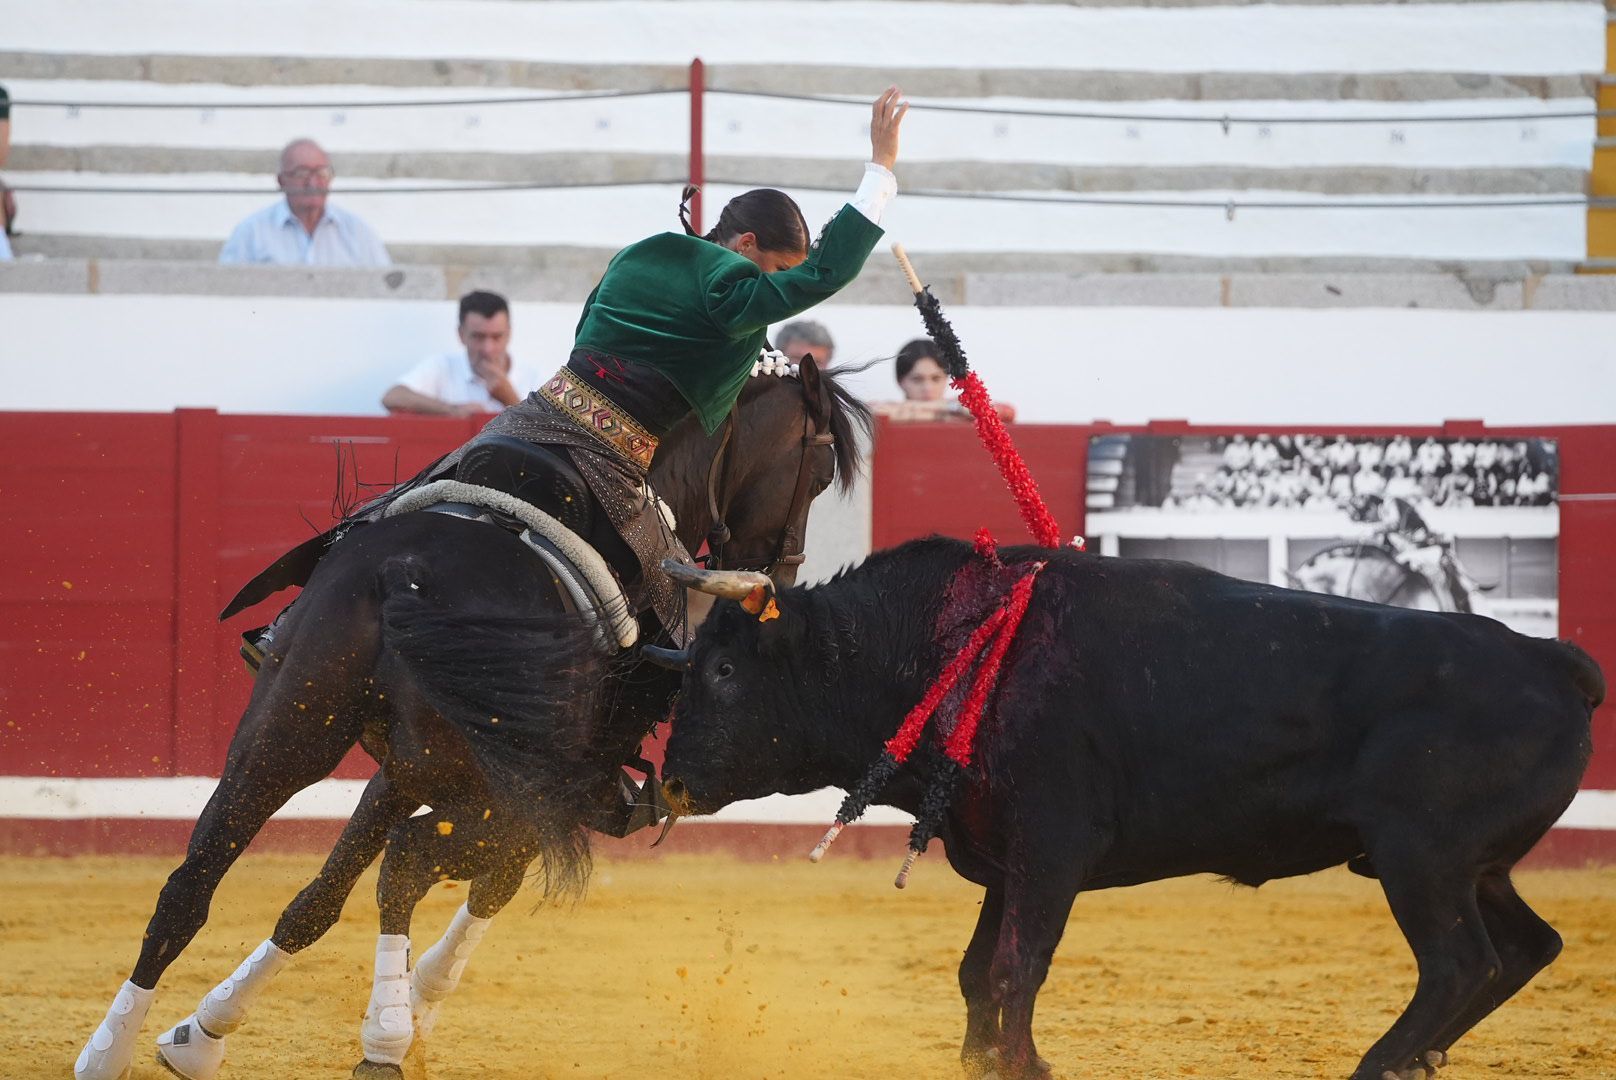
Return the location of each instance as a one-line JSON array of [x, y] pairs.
[[521, 688]]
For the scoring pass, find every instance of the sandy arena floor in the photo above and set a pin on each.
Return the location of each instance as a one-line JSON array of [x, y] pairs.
[[706, 968]]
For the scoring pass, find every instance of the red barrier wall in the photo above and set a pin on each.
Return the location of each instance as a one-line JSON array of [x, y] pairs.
[[128, 534]]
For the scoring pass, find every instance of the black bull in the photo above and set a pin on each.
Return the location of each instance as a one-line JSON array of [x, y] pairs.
[[1155, 719]]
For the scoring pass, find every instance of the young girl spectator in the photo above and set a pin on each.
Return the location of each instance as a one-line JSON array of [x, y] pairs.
[[924, 382]]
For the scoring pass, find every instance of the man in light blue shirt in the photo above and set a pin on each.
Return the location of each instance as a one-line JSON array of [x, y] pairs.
[[302, 230]]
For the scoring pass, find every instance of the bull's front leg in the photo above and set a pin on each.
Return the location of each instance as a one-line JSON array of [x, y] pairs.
[[1037, 902], [976, 983]]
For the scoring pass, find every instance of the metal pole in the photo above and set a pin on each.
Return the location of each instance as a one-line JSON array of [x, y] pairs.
[[698, 169]]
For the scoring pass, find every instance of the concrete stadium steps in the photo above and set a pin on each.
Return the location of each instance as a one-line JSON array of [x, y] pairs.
[[1294, 224], [1496, 288], [796, 78], [103, 165], [1168, 3], [1259, 132], [1508, 37], [943, 269], [1317, 58]]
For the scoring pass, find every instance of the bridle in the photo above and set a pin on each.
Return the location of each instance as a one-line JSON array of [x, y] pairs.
[[788, 548]]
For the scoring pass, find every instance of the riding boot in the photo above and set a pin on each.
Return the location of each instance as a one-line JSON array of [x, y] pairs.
[[255, 643]]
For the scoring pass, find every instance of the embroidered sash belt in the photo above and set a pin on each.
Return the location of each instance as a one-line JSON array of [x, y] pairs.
[[597, 414]]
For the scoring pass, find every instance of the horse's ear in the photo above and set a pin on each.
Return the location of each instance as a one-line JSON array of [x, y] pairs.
[[813, 391]]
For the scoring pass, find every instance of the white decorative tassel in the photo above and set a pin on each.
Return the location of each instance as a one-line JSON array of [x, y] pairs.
[[225, 1006], [387, 1031], [774, 362], [438, 971]]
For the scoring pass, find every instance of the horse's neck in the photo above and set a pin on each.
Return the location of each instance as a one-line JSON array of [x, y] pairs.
[[679, 476], [685, 456]]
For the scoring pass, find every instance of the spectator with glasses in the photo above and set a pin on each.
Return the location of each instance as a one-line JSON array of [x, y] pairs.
[[302, 229]]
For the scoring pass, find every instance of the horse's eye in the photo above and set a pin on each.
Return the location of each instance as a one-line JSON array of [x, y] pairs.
[[724, 669]]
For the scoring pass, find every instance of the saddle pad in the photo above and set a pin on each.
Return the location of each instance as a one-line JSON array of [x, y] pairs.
[[613, 606]]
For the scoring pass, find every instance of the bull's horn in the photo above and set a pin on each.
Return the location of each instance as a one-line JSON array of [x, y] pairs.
[[728, 584], [672, 659]]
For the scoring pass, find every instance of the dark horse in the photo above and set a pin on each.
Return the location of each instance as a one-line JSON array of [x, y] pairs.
[[444, 647]]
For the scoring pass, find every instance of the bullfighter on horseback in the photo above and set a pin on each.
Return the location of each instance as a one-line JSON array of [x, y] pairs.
[[445, 650], [677, 325]]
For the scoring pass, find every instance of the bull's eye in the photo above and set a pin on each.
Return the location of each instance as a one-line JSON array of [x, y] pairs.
[[724, 669]]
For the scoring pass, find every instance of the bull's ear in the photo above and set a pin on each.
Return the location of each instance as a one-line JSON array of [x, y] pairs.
[[760, 602], [782, 633]]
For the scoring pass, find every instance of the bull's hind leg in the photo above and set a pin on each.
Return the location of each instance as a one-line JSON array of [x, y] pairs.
[[1525, 943], [1435, 906], [976, 984]]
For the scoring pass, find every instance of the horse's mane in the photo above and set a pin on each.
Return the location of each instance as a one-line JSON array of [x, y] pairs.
[[850, 421]]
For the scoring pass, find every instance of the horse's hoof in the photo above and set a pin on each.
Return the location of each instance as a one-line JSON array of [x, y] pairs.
[[189, 1052], [990, 1065], [377, 1070]]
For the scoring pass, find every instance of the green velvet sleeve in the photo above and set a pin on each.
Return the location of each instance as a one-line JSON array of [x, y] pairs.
[[742, 299]]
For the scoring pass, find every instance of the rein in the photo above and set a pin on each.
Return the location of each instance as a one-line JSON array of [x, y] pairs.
[[789, 547]]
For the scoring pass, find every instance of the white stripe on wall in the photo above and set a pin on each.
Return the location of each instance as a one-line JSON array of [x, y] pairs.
[[182, 798]]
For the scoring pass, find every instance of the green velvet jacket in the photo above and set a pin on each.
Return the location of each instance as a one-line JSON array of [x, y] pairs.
[[698, 312]]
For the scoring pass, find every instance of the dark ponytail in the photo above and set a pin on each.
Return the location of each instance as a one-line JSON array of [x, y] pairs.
[[772, 216], [690, 192]]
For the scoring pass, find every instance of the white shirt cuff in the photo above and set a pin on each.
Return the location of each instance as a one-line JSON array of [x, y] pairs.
[[874, 192]]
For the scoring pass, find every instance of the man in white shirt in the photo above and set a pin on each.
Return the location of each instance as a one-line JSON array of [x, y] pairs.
[[482, 377], [302, 230]]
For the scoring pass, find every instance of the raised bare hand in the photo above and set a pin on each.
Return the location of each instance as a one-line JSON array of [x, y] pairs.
[[885, 118]]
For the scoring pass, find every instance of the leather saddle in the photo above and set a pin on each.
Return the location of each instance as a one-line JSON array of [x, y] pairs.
[[547, 479]]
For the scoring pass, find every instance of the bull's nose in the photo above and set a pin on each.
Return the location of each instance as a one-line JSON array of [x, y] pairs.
[[677, 797]]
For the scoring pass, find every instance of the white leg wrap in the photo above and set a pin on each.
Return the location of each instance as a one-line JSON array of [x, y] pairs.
[[112, 1047], [194, 1047], [387, 1031], [190, 1052], [438, 971], [225, 1006]]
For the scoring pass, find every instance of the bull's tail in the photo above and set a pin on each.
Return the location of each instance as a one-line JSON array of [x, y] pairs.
[[521, 688], [1584, 671]]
